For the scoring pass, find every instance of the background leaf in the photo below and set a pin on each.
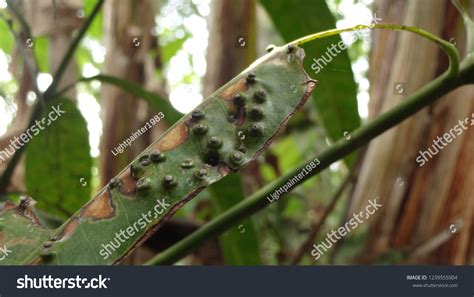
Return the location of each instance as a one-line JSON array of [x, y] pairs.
[[95, 30], [58, 162], [239, 244], [6, 38], [41, 53], [335, 93], [170, 49]]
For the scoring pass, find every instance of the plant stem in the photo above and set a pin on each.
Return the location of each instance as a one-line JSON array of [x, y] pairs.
[[16, 12], [446, 46], [71, 50], [468, 24], [423, 97]]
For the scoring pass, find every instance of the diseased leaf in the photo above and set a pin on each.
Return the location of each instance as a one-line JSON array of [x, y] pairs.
[[226, 132], [58, 161], [20, 232]]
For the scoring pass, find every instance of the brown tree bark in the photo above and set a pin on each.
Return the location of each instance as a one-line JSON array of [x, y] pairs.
[[418, 202], [128, 38], [232, 41]]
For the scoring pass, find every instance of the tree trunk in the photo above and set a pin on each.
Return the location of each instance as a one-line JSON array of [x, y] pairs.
[[127, 34], [418, 202], [232, 41]]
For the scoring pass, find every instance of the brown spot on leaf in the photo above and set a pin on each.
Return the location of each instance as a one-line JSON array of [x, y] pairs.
[[69, 229], [227, 95], [232, 108], [223, 169], [128, 183], [173, 138], [240, 117], [8, 206], [37, 261], [239, 86], [25, 209], [101, 207]]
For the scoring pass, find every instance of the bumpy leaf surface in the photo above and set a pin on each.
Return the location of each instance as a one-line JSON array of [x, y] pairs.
[[223, 134]]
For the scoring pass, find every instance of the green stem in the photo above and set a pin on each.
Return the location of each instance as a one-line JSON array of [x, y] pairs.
[[446, 46], [423, 97], [468, 24], [71, 50], [16, 12]]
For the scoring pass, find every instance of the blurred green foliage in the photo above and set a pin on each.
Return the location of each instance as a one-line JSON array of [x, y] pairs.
[[58, 162]]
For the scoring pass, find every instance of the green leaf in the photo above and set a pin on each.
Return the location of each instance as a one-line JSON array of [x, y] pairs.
[[95, 30], [41, 53], [156, 101], [58, 161], [239, 244], [20, 232], [6, 38], [335, 93], [170, 49], [83, 56]]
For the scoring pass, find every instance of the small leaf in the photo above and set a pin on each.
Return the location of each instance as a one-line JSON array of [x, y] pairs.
[[58, 161]]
